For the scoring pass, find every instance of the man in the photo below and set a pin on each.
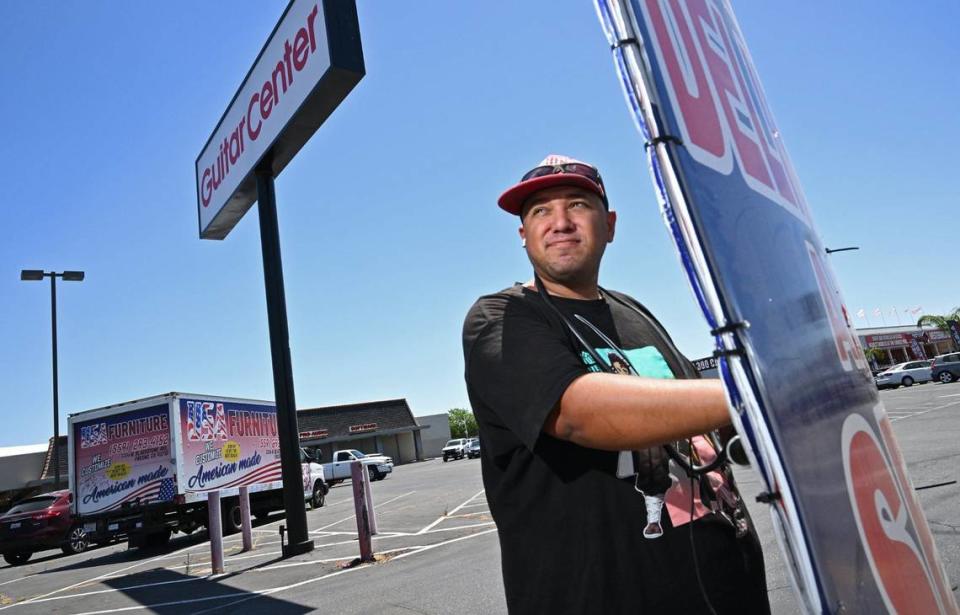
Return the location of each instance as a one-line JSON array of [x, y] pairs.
[[556, 419]]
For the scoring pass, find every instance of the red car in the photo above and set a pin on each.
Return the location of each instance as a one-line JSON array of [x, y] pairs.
[[40, 523]]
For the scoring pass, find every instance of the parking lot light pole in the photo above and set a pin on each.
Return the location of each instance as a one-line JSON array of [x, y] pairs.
[[33, 275]]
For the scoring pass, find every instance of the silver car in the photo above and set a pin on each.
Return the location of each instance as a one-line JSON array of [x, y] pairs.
[[906, 374]]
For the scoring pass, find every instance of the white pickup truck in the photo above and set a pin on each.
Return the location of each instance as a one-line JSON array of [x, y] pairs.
[[339, 469]]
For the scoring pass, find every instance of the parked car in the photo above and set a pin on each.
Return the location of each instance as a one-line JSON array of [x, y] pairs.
[[905, 374], [473, 448], [946, 367], [455, 449], [40, 523]]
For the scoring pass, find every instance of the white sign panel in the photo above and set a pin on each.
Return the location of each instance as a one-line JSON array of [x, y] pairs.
[[284, 75]]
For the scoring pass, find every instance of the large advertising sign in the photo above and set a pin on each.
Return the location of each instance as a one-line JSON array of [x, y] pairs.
[[954, 331], [309, 64], [794, 372], [123, 458], [227, 444]]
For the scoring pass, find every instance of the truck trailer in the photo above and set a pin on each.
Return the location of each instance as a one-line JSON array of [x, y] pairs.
[[142, 469]]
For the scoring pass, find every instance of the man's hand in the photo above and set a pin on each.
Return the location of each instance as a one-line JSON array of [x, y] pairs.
[[615, 412]]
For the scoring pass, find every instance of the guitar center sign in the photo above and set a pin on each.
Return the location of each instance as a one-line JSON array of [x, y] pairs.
[[296, 82]]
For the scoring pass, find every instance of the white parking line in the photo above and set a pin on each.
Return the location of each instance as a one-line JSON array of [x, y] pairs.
[[302, 583], [461, 527], [96, 578], [325, 561], [19, 579], [252, 595], [900, 418], [174, 554], [375, 507], [447, 516], [119, 589]]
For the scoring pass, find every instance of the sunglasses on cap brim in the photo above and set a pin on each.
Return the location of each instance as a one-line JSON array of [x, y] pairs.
[[574, 168]]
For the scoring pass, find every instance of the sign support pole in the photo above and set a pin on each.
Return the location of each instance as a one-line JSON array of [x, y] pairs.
[[298, 540]]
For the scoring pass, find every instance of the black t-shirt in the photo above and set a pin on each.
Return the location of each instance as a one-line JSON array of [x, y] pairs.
[[570, 530]]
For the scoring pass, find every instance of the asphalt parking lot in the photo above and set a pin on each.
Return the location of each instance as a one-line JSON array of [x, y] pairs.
[[437, 547], [430, 514]]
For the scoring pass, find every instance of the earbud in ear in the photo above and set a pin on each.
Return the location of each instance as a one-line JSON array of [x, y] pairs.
[[523, 243]]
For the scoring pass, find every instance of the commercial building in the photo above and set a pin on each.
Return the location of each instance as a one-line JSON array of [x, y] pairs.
[[386, 427], [28, 470], [899, 344]]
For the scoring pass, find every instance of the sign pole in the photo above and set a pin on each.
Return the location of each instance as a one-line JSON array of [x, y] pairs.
[[298, 540]]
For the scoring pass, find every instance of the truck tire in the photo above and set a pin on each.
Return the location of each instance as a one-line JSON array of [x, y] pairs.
[[374, 474], [17, 558], [319, 495], [76, 541], [158, 539], [230, 516]]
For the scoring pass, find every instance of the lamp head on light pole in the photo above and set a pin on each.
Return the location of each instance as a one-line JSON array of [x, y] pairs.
[[847, 249]]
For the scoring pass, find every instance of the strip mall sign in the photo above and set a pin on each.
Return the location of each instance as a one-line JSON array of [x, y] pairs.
[[314, 434], [301, 75], [362, 428]]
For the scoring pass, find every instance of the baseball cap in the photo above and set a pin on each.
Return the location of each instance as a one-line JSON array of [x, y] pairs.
[[554, 170]]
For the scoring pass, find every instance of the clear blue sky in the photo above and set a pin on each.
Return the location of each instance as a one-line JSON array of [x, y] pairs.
[[388, 221]]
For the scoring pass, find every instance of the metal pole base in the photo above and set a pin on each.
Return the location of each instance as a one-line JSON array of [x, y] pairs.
[[297, 548]]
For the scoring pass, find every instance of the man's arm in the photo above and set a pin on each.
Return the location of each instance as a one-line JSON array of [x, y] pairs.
[[615, 412]]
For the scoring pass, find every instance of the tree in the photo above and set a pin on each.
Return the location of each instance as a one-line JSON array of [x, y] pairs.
[[462, 423], [939, 320], [874, 355]]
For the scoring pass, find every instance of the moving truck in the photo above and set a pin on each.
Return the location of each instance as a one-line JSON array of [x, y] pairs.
[[142, 469]]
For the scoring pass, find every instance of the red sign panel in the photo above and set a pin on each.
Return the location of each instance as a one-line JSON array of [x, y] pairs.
[[313, 434], [363, 427]]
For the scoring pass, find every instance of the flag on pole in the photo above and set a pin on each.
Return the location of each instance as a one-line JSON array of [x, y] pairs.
[[861, 313], [894, 312], [877, 312]]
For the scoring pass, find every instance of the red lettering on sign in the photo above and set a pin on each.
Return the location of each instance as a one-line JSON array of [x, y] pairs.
[[884, 523], [717, 98], [920, 521], [691, 88], [300, 49], [265, 99], [740, 120], [206, 188], [252, 132]]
